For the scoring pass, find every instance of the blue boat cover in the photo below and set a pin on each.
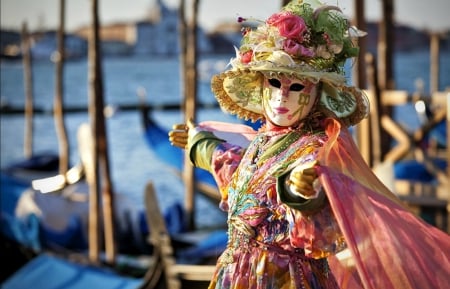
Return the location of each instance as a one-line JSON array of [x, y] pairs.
[[158, 141], [29, 230], [48, 272], [24, 231]]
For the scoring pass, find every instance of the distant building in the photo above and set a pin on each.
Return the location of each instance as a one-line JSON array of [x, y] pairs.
[[45, 46], [117, 39], [225, 37], [160, 34], [157, 35], [121, 32], [160, 38], [10, 44], [406, 39]]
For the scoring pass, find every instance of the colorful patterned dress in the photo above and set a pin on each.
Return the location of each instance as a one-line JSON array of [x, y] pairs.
[[272, 243], [276, 242]]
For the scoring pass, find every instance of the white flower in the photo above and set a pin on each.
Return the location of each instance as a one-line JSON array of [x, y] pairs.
[[336, 48], [281, 58], [323, 52]]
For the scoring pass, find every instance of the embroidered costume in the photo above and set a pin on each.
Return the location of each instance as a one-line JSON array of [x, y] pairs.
[[271, 244], [386, 245]]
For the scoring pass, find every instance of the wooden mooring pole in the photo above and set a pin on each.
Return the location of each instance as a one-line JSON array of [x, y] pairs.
[[58, 101], [191, 110], [28, 82], [385, 63], [94, 186], [360, 80], [102, 181], [434, 62]]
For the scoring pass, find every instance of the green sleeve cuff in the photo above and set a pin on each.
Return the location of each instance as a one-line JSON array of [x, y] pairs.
[[297, 202], [201, 148]]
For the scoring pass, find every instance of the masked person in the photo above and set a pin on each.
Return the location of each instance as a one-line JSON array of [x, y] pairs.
[[304, 210]]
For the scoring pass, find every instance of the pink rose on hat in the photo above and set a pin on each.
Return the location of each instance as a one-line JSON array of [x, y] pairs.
[[289, 25]]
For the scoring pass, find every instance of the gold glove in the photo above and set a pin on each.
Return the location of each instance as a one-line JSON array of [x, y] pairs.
[[179, 134], [301, 180]]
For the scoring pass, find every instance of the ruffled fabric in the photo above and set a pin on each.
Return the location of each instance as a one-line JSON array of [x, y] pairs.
[[257, 268]]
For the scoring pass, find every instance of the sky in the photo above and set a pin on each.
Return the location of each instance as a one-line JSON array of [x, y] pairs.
[[431, 14]]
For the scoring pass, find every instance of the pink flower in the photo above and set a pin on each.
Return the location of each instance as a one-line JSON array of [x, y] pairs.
[[294, 48], [246, 57], [289, 25]]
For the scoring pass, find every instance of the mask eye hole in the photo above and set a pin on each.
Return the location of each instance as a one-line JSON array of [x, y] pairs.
[[275, 82], [296, 87]]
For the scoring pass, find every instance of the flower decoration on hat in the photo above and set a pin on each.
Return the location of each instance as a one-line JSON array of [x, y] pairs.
[[310, 34], [305, 40]]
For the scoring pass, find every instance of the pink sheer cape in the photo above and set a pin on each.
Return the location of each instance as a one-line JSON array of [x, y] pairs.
[[388, 246]]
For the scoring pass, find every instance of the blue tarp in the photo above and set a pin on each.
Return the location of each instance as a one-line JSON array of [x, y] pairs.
[[29, 230], [23, 231], [49, 272]]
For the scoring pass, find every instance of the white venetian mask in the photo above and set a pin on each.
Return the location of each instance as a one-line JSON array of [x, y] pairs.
[[287, 101]]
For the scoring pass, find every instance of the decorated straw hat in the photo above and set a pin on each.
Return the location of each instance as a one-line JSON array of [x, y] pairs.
[[306, 40]]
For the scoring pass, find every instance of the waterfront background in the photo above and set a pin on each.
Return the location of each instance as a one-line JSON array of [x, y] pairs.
[[133, 164]]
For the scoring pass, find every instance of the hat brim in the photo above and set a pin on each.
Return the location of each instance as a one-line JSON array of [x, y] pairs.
[[239, 91], [347, 103]]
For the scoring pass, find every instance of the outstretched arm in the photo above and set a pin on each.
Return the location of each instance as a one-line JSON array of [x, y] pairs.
[[199, 144]]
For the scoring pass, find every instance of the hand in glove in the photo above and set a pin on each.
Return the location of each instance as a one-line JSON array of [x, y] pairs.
[[302, 180], [179, 134]]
